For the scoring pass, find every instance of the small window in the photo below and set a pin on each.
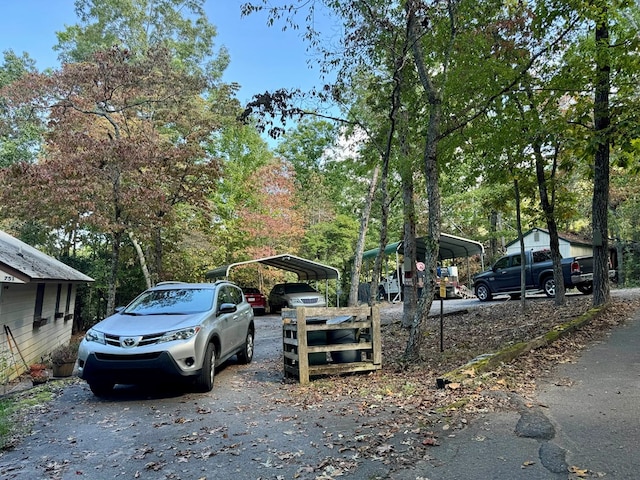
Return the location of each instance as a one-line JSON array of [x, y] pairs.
[[37, 313], [541, 256], [58, 313], [236, 295], [223, 296], [502, 263], [67, 305], [38, 321]]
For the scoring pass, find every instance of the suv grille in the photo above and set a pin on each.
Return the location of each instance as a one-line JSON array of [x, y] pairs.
[[309, 301], [114, 340]]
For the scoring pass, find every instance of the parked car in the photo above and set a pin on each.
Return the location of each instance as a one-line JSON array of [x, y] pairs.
[[256, 299], [292, 295], [173, 331], [504, 276]]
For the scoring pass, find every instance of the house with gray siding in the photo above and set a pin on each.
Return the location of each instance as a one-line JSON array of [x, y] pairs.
[[37, 300], [538, 239]]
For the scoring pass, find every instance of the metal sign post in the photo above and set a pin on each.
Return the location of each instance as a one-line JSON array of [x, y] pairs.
[[443, 293]]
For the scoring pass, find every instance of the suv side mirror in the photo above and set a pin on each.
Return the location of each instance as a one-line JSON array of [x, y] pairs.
[[227, 308]]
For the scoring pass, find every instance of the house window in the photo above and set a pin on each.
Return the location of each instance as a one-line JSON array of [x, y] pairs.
[[58, 313], [68, 315], [38, 321], [536, 236]]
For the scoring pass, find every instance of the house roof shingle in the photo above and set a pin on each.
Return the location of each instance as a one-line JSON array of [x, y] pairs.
[[29, 264]]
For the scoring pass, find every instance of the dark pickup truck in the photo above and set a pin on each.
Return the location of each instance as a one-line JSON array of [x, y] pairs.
[[504, 276]]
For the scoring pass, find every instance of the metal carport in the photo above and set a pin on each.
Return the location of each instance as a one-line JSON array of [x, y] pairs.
[[450, 247], [305, 269]]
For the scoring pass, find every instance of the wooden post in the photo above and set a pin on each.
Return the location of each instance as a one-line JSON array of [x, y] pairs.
[[375, 334], [303, 347]]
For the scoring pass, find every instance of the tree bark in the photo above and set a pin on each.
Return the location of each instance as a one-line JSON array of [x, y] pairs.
[[600, 204], [523, 271], [116, 242], [142, 260], [364, 225], [409, 212], [416, 337]]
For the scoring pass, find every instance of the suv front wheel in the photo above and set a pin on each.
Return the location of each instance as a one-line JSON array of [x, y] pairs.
[[101, 389], [204, 382]]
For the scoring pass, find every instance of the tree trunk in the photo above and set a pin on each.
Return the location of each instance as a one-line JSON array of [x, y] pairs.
[[364, 224], [113, 275], [416, 337], [410, 289], [384, 221], [600, 202], [548, 204], [142, 260], [493, 240], [523, 271]]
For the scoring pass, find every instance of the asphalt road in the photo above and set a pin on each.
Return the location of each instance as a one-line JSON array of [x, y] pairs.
[[249, 427]]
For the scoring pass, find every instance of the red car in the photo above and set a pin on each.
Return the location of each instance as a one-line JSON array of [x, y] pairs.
[[256, 299]]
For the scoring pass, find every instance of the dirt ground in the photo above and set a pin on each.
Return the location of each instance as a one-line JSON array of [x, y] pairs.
[[256, 425]]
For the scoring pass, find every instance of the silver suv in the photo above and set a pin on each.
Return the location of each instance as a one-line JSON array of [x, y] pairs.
[[174, 331], [292, 295]]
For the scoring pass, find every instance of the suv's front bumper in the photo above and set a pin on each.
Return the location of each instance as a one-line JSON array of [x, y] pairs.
[[132, 369]]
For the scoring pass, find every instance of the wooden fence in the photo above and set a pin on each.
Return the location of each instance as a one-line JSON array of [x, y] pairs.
[[330, 341]]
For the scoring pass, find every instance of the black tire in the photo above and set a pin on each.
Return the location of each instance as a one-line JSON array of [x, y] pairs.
[[586, 288], [483, 293], [204, 382], [101, 389], [549, 287], [246, 354]]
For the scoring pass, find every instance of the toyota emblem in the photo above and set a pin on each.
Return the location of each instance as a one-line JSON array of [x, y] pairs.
[[128, 342]]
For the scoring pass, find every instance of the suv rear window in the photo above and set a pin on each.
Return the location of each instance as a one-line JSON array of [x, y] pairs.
[[541, 256]]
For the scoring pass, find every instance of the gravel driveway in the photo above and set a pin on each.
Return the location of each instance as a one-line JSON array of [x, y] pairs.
[[252, 425]]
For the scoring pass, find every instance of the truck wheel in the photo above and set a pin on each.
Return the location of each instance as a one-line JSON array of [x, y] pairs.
[[586, 288], [483, 293], [549, 286]]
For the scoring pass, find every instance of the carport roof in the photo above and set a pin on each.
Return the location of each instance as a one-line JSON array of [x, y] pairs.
[[450, 247], [306, 269]]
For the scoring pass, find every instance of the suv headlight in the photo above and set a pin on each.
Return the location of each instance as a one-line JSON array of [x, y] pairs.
[[183, 334], [94, 336]]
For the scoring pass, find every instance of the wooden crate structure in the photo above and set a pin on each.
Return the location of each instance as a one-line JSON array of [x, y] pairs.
[[301, 350]]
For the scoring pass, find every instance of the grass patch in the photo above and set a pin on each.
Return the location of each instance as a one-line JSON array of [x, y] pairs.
[[18, 411]]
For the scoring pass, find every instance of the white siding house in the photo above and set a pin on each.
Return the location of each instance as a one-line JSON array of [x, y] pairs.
[[37, 300], [538, 239]]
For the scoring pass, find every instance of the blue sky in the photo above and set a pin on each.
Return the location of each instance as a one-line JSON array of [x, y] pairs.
[[262, 57]]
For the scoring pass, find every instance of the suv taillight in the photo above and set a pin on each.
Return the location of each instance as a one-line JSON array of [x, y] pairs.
[[575, 267]]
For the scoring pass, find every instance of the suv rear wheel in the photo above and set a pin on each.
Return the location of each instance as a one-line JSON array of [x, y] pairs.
[[246, 354]]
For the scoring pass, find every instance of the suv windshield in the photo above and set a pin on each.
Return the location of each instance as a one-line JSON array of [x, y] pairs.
[[172, 302], [298, 288]]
